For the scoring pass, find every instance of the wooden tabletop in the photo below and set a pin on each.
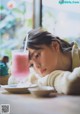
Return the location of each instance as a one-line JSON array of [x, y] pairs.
[[27, 104]]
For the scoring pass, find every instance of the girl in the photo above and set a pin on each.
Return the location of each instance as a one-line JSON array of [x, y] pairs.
[[56, 61]]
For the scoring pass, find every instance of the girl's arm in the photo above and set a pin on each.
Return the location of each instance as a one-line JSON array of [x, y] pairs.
[[63, 81]]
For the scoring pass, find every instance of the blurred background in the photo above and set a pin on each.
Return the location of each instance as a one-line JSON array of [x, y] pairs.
[[17, 17]]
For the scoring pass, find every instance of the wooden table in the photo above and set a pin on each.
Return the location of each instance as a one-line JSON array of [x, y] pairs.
[[27, 104]]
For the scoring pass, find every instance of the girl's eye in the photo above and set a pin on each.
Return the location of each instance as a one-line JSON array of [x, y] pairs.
[[31, 65], [37, 55]]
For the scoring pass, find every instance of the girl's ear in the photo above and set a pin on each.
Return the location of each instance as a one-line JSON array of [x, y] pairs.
[[55, 45]]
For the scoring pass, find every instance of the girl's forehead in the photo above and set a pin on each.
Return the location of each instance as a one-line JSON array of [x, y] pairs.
[[38, 47]]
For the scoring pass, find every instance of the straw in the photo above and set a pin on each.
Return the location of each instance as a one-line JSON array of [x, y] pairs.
[[25, 45]]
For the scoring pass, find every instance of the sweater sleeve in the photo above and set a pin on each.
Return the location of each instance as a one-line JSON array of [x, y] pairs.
[[63, 81]]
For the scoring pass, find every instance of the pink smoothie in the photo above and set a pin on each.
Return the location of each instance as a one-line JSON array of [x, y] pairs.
[[20, 64]]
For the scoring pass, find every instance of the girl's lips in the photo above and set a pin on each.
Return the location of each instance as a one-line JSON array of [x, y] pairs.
[[43, 70]]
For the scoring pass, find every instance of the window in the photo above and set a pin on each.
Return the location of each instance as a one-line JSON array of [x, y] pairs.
[[62, 19], [16, 18]]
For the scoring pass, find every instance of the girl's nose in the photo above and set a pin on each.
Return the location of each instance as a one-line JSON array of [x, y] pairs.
[[38, 65]]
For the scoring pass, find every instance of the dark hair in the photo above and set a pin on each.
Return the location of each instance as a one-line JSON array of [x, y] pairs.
[[37, 37], [5, 59]]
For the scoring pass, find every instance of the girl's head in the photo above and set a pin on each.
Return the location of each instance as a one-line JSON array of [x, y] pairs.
[[46, 51]]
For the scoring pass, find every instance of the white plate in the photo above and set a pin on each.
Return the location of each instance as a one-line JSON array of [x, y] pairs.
[[42, 91], [12, 88]]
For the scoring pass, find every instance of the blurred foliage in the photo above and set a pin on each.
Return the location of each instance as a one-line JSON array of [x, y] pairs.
[[1, 7], [17, 10], [29, 22], [6, 52]]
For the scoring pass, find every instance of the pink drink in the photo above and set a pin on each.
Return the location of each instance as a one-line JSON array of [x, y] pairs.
[[20, 64]]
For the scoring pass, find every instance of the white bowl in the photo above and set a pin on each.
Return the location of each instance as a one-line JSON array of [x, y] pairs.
[[42, 91]]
